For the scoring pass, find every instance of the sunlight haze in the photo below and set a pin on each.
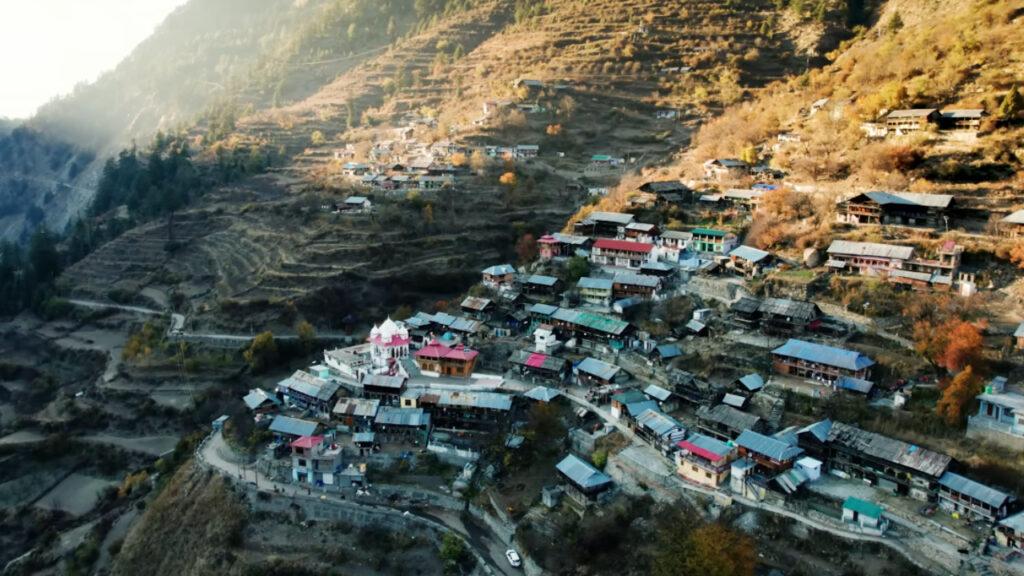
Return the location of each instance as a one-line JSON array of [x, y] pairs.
[[49, 46]]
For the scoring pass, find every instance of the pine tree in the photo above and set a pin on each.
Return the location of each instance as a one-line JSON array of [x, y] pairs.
[[1012, 104]]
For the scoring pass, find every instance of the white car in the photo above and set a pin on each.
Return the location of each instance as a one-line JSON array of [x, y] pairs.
[[513, 558]]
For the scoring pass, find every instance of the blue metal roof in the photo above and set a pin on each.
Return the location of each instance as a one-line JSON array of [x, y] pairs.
[[293, 426], [752, 382], [749, 253], [542, 309], [595, 367], [582, 473], [977, 490], [594, 283], [854, 384], [394, 416], [541, 280], [766, 445], [713, 445], [667, 351], [822, 354], [659, 423]]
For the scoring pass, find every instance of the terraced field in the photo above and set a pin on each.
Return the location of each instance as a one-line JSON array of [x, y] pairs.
[[268, 241]]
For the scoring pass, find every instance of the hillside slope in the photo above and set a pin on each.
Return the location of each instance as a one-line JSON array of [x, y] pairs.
[[608, 67]]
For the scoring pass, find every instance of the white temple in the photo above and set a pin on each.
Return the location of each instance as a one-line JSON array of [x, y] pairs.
[[389, 342]]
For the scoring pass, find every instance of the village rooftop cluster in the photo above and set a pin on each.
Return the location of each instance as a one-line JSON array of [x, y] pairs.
[[449, 384]]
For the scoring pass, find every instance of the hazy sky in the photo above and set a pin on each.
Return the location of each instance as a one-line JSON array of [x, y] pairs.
[[48, 46]]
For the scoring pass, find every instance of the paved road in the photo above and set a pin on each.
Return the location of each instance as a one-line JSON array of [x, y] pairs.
[[216, 453]]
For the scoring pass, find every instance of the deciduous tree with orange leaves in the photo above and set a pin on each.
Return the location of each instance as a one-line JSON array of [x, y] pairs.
[[952, 344], [957, 395]]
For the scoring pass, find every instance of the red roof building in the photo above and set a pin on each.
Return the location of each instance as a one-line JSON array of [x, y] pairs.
[[621, 253], [456, 361]]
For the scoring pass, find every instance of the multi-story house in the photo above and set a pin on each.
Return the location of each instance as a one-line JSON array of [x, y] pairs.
[[825, 364], [628, 284], [603, 224], [896, 208], [704, 460], [315, 461], [1000, 415], [457, 361], [710, 241], [965, 497], [674, 243], [597, 291], [621, 253]]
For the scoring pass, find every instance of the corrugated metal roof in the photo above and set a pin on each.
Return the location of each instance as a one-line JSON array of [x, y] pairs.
[[597, 368], [385, 381], [594, 283], [749, 253], [542, 280], [309, 385], [963, 485], [728, 416], [623, 246], [911, 199], [970, 113], [500, 270], [796, 309], [474, 303], [734, 400], [706, 447], [394, 416], [889, 449], [1015, 218], [668, 351], [363, 437], [612, 326], [752, 382], [657, 392], [256, 397], [582, 473], [708, 232], [819, 429], [659, 423], [292, 426], [486, 400], [854, 384], [766, 445], [633, 279], [1015, 522], [822, 354], [616, 217], [635, 409], [542, 394], [870, 249], [680, 235], [358, 407], [869, 509], [542, 309], [912, 113]]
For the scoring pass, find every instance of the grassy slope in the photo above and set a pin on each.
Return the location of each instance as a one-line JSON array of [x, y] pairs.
[[188, 529]]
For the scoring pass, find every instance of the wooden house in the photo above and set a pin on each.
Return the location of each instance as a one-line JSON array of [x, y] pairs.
[[911, 120], [820, 362]]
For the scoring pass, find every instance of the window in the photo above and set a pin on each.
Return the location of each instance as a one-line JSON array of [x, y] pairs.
[[302, 462]]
